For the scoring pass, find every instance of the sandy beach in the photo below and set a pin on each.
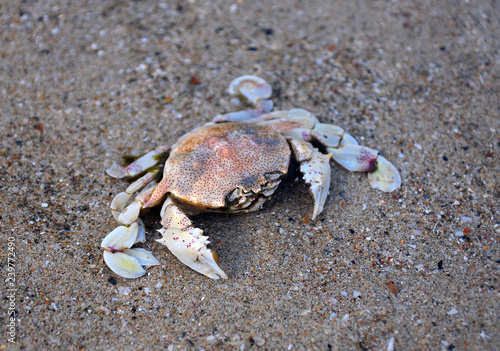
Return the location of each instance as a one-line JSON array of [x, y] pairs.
[[84, 83]]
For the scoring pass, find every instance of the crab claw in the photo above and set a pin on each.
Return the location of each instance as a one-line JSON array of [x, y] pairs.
[[140, 165], [317, 173], [315, 167], [187, 243], [144, 257], [189, 246]]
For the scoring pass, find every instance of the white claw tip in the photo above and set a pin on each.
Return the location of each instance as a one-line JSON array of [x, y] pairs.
[[386, 177]]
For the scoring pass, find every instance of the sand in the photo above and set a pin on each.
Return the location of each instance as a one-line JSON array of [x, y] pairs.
[[84, 83]]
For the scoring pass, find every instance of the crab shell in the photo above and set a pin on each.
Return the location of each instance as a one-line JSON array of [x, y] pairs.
[[224, 168]]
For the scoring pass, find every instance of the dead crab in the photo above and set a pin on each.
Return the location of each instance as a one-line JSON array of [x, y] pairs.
[[232, 164]]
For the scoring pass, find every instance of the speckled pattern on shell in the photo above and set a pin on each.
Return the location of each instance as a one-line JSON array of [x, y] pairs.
[[210, 162]]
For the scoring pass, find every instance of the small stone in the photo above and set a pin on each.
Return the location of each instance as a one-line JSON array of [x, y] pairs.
[[356, 293], [305, 313], [390, 344], [453, 311], [105, 310], [211, 339], [124, 290], [142, 68], [392, 287], [259, 341]]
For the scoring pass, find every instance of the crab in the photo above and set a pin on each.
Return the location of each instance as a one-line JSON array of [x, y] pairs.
[[232, 164]]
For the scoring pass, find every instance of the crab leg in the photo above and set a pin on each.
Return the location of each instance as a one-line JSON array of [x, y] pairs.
[[301, 124], [187, 243], [341, 146], [118, 254], [143, 163]]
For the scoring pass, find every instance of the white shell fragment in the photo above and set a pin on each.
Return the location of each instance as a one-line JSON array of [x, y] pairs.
[[121, 238], [355, 158], [251, 87], [124, 265], [386, 177], [232, 164]]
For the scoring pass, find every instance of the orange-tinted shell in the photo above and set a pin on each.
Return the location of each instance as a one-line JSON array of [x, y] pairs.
[[208, 163]]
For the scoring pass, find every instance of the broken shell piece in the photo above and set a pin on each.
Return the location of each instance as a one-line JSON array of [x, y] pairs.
[[386, 177], [251, 87]]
